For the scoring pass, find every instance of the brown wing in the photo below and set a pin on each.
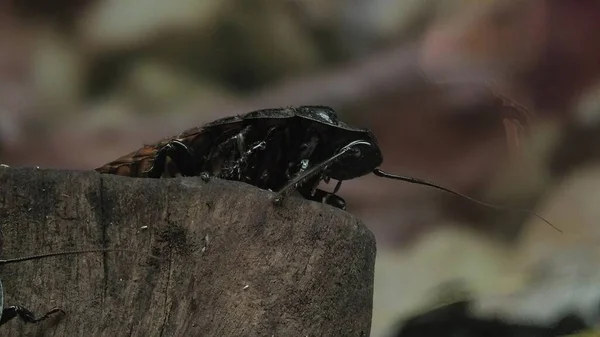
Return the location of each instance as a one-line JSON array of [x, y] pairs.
[[137, 163], [200, 139], [134, 164]]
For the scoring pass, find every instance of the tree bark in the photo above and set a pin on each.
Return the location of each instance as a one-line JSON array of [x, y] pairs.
[[231, 263]]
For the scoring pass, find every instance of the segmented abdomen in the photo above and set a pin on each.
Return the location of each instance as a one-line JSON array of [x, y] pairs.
[[134, 164]]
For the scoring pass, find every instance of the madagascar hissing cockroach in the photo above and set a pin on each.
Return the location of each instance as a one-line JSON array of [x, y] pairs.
[[25, 314], [265, 148], [282, 150]]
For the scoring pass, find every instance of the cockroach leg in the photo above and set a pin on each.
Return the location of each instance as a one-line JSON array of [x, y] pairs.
[[205, 176], [158, 166], [231, 149], [315, 194], [26, 315], [237, 142], [183, 158], [179, 153], [240, 165], [330, 199], [316, 169], [310, 191]]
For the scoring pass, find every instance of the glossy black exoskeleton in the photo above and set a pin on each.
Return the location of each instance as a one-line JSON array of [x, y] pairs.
[[8, 313], [267, 148], [282, 150]]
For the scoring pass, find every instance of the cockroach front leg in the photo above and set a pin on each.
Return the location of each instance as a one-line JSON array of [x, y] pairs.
[[328, 198], [25, 314], [306, 173], [181, 155], [310, 192]]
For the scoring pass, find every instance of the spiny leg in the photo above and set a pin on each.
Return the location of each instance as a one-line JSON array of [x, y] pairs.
[[158, 166], [236, 168], [310, 191], [332, 199], [269, 170], [308, 187], [24, 314], [184, 159], [317, 169], [250, 164], [328, 198], [179, 153], [235, 144], [303, 177]]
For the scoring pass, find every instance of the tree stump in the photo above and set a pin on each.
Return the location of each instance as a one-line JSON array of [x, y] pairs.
[[231, 263]]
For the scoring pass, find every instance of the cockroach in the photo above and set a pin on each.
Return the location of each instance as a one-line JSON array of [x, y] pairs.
[[266, 148], [283, 150], [27, 316]]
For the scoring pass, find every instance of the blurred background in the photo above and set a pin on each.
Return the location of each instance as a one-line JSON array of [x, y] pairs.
[[83, 82]]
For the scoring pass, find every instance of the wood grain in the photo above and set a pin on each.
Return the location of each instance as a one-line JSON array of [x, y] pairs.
[[232, 264]]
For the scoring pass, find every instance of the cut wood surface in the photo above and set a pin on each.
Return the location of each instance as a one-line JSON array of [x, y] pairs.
[[231, 263]]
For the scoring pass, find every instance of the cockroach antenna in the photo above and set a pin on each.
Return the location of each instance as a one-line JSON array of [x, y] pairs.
[[417, 181], [8, 313], [69, 252]]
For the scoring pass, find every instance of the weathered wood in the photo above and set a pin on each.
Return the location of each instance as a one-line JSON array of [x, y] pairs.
[[234, 265]]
